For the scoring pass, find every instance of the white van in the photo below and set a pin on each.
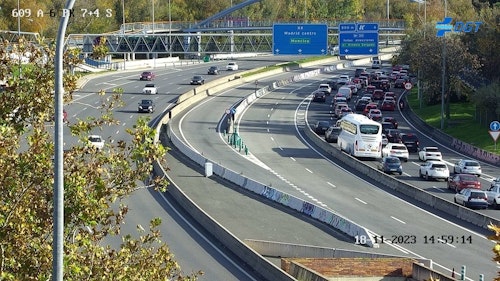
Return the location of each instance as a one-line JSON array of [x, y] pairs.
[[346, 92], [376, 63]]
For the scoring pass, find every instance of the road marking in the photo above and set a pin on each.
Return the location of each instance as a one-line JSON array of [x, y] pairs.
[[361, 201], [331, 184], [309, 171], [293, 159], [396, 219]]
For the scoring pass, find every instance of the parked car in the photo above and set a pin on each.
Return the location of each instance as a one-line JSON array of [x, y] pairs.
[[213, 70], [410, 140], [433, 169], [458, 182], [146, 106], [319, 96], [464, 166], [390, 164], [232, 66], [321, 126], [493, 194], [150, 89], [197, 80], [147, 75], [472, 198], [332, 134], [430, 153], [396, 150], [96, 142], [390, 119]]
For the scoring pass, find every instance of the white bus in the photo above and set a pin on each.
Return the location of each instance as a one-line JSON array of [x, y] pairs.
[[360, 136]]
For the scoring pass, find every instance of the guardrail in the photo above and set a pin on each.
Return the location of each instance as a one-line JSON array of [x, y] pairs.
[[248, 255]]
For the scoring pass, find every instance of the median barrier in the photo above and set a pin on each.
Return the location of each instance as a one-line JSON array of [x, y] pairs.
[[238, 247]]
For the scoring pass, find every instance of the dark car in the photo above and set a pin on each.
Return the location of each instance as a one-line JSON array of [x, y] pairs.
[[146, 106], [410, 140], [213, 70], [358, 71], [390, 164], [319, 96], [378, 94], [393, 136], [387, 126], [361, 104], [390, 119], [321, 126], [399, 83], [197, 80], [332, 134], [461, 181], [147, 75]]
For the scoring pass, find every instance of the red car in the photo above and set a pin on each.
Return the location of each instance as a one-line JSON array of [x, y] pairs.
[[147, 75], [368, 107], [388, 106], [460, 181]]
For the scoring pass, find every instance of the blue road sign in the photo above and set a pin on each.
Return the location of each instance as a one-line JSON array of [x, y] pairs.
[[347, 27], [358, 43], [296, 39], [367, 27], [495, 126]]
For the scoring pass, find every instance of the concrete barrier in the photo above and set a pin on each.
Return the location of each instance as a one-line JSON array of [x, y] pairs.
[[412, 191]]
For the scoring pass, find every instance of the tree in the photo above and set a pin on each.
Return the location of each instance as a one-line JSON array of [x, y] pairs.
[[95, 183], [496, 249]]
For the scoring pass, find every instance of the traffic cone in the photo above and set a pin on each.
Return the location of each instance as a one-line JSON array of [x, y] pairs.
[[453, 273]]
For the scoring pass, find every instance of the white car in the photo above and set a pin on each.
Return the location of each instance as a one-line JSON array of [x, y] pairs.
[[467, 167], [96, 141], [150, 89], [375, 114], [397, 150], [430, 153], [343, 79], [385, 140], [232, 66], [326, 88], [433, 169]]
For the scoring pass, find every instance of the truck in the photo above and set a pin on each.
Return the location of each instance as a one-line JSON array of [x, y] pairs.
[[493, 194]]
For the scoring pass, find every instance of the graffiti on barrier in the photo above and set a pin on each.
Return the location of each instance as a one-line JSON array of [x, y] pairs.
[[307, 208], [475, 152], [267, 192]]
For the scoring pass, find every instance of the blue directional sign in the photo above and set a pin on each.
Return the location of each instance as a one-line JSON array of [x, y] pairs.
[[495, 126], [297, 39], [358, 44], [358, 39]]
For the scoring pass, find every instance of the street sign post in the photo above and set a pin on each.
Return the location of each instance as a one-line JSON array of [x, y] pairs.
[[300, 39], [358, 39], [494, 131]]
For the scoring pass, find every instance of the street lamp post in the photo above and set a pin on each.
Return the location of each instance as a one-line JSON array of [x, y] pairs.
[[170, 27], [443, 78]]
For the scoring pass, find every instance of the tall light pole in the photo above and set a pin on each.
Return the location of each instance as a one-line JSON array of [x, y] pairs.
[[123, 15], [170, 27], [153, 16], [58, 245], [443, 78], [19, 35]]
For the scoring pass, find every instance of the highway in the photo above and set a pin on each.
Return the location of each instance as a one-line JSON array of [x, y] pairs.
[[282, 157], [192, 248]]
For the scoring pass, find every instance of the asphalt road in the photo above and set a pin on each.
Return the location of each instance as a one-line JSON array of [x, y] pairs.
[[282, 157], [193, 249]]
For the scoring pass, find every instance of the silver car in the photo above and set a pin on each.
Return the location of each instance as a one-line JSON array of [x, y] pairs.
[[464, 166]]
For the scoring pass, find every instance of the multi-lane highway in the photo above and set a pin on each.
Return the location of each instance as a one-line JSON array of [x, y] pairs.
[[192, 248], [281, 156]]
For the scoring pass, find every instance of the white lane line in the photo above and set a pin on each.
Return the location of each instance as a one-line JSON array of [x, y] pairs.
[[360, 200], [331, 184], [309, 171], [396, 219], [293, 159]]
